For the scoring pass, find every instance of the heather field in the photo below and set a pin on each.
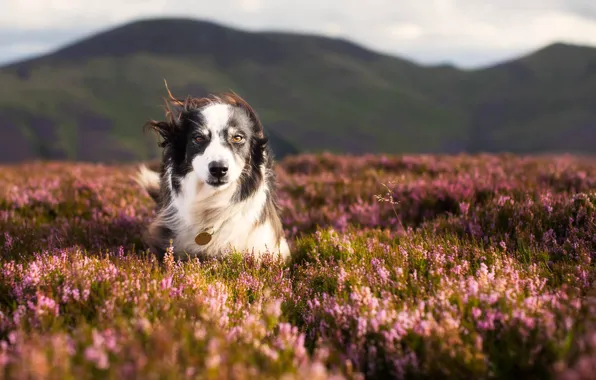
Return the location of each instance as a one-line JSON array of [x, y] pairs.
[[422, 267]]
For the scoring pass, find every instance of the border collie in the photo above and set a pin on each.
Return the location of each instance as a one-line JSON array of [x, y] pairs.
[[215, 188]]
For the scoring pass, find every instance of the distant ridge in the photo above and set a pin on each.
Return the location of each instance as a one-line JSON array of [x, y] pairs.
[[178, 37], [89, 99]]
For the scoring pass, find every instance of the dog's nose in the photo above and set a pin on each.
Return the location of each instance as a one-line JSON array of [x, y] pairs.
[[218, 169]]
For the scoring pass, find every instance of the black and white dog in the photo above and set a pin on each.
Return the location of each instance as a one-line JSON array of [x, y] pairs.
[[215, 188]]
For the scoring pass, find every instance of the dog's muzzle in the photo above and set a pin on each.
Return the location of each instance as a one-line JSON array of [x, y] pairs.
[[218, 171]]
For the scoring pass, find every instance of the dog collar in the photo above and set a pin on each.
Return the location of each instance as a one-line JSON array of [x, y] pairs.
[[204, 237]]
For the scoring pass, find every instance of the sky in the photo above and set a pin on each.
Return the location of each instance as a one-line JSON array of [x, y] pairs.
[[465, 33]]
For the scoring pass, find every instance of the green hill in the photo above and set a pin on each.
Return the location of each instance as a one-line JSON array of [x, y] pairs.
[[88, 100], [545, 101]]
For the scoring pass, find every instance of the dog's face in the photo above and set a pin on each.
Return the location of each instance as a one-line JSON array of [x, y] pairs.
[[218, 143], [214, 140]]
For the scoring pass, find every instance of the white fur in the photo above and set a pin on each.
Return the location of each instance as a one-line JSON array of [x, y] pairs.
[[216, 119], [147, 178], [234, 224]]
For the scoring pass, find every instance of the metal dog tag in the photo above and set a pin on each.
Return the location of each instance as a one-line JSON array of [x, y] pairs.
[[204, 237]]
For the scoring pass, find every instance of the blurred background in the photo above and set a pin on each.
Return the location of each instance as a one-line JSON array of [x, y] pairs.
[[78, 79]]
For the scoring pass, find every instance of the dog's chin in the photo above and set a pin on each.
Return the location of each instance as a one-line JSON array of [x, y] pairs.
[[217, 183]]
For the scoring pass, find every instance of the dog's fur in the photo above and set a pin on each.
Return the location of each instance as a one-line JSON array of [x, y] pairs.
[[199, 133]]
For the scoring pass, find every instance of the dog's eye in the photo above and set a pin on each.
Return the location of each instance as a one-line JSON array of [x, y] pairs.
[[237, 138], [199, 139]]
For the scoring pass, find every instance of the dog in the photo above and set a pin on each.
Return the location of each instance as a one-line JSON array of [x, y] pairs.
[[215, 186]]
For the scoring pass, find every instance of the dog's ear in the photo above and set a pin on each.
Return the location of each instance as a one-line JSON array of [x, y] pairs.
[[263, 142], [169, 128], [174, 107], [174, 112], [164, 129]]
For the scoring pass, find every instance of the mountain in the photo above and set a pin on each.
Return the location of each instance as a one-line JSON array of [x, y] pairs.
[[545, 101], [89, 100]]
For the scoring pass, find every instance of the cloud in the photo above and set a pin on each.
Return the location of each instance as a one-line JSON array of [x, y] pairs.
[[464, 32], [18, 44]]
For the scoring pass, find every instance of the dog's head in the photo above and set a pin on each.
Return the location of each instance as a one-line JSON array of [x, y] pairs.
[[217, 138]]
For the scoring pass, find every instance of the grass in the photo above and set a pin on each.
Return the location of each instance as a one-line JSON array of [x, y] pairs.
[[404, 267]]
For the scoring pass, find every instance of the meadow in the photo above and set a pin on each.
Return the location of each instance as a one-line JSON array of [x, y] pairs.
[[416, 267]]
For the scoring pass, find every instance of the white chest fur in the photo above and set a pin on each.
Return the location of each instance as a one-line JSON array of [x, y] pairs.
[[198, 207]]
